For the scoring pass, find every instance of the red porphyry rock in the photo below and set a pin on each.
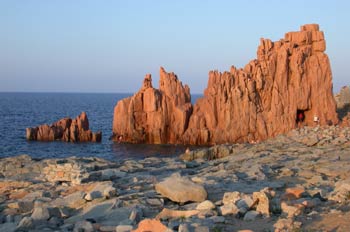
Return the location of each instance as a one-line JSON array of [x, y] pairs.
[[289, 77], [66, 129], [154, 115], [151, 225]]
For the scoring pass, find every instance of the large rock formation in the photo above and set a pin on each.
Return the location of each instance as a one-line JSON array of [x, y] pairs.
[[289, 77], [343, 97], [154, 115], [66, 129], [343, 105]]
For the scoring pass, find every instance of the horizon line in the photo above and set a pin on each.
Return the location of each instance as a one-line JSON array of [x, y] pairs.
[[77, 92]]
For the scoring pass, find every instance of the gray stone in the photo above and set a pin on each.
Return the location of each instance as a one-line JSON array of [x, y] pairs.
[[8, 227], [111, 173], [135, 215], [55, 221], [201, 229], [263, 202], [54, 212], [67, 227], [65, 212], [174, 224], [185, 228], [310, 140], [228, 209], [103, 212], [9, 218], [93, 195], [341, 191], [124, 228], [181, 189], [101, 189], [205, 205], [74, 200], [83, 226], [246, 202], [154, 202], [40, 214], [291, 210], [286, 225], [218, 219], [25, 224], [207, 213], [22, 206], [231, 197], [126, 221], [104, 228], [251, 215], [17, 218]]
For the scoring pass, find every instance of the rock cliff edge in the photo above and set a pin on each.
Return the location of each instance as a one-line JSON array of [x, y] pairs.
[[290, 77]]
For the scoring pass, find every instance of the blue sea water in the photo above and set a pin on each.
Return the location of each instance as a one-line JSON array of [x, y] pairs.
[[21, 110]]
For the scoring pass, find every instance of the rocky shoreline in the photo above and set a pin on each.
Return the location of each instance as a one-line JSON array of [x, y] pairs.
[[293, 182]]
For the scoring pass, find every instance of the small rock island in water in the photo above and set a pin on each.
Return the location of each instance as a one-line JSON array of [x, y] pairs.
[[295, 179], [66, 129]]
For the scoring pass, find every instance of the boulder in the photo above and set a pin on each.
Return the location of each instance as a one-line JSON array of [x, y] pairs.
[[262, 200], [251, 215], [153, 225], [286, 224], [291, 209], [181, 189], [25, 224], [231, 197], [343, 97], [101, 190], [229, 209], [85, 226], [40, 214], [169, 214], [289, 77], [66, 129], [206, 205]]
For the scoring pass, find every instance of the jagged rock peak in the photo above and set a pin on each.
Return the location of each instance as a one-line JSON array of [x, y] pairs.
[[289, 84], [152, 115], [66, 129]]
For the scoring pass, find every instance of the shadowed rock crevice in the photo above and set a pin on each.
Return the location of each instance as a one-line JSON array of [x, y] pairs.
[[248, 104]]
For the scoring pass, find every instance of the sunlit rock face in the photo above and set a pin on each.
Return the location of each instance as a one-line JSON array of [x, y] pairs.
[[66, 129], [289, 77], [154, 115]]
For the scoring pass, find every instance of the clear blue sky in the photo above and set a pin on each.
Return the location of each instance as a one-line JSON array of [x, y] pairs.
[[108, 46]]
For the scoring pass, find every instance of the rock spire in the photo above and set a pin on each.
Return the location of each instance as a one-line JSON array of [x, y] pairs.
[[290, 80]]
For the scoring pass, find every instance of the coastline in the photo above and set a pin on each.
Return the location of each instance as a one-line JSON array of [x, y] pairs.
[[295, 181]]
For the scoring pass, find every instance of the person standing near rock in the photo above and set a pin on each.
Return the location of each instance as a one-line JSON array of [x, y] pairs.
[[300, 118], [316, 120]]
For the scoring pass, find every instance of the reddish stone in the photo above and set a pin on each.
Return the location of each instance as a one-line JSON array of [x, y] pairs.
[[66, 129], [293, 193], [154, 115], [18, 195], [243, 105], [60, 174], [151, 225]]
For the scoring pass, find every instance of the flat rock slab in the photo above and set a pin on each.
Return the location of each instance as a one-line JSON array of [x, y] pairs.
[[180, 189]]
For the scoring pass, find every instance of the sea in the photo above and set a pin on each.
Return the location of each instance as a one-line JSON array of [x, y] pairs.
[[21, 110]]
